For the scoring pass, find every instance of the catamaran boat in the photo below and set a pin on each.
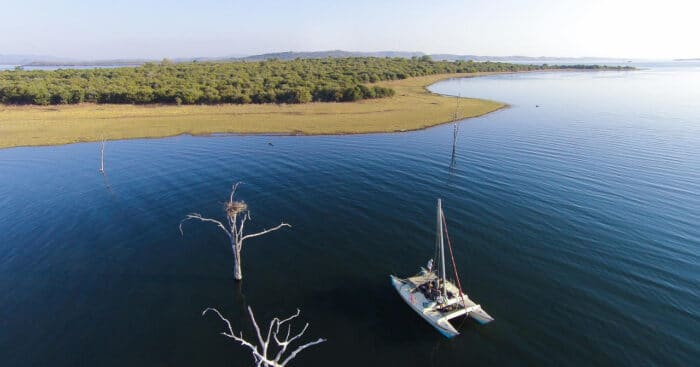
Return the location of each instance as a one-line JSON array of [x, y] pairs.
[[434, 297]]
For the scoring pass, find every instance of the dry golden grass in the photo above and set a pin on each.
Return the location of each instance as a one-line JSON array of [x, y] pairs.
[[412, 108]]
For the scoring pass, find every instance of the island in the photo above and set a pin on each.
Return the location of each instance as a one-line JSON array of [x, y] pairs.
[[320, 96]]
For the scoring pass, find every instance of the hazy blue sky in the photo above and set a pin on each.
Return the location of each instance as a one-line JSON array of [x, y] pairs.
[[179, 28]]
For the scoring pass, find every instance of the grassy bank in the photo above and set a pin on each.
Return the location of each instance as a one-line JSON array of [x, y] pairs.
[[412, 108]]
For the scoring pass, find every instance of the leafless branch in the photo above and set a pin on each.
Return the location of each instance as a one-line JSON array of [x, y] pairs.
[[263, 342], [291, 317], [239, 338], [284, 343], [265, 231], [260, 356], [203, 219], [233, 191], [301, 347], [246, 216]]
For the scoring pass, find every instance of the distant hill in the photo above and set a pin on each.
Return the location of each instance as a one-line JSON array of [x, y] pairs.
[[694, 59], [86, 63], [38, 61], [24, 59], [531, 59], [291, 55], [117, 62]]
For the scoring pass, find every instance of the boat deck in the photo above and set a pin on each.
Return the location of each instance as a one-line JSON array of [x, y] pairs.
[[438, 315], [422, 278]]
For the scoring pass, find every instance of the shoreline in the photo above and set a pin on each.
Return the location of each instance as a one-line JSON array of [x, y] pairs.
[[414, 107]]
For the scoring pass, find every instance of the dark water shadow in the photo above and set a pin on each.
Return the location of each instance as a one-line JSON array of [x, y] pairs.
[[108, 186], [379, 308]]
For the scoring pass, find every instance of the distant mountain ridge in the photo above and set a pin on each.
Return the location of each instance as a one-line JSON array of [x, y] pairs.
[[291, 55], [116, 62], [517, 58], [25, 59], [38, 60]]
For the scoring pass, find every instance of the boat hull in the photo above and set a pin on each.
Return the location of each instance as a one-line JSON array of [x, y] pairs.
[[417, 303], [406, 288]]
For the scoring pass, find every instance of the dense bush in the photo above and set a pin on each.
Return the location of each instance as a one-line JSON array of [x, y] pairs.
[[297, 81]]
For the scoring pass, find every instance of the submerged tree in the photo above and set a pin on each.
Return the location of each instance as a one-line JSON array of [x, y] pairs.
[[102, 156], [237, 214], [265, 354]]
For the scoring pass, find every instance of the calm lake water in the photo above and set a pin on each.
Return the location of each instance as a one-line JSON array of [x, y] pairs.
[[576, 224]]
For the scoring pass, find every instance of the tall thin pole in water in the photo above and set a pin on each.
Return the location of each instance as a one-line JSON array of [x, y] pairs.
[[102, 156], [455, 117]]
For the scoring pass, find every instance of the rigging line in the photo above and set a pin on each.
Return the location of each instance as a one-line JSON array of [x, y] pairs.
[[454, 265], [436, 253]]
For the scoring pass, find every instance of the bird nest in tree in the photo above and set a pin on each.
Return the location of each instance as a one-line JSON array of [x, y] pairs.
[[235, 207]]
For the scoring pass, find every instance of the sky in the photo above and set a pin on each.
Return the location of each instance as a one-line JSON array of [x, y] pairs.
[[155, 29]]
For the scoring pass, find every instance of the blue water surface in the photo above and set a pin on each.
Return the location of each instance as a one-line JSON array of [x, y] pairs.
[[574, 213]]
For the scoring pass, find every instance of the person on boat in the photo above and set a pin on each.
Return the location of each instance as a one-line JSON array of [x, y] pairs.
[[430, 266], [436, 289], [433, 293]]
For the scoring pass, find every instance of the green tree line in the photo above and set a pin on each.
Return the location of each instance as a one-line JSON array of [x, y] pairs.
[[273, 81]]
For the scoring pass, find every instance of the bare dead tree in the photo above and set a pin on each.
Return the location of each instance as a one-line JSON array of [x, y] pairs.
[[102, 156], [455, 132], [265, 354], [234, 230]]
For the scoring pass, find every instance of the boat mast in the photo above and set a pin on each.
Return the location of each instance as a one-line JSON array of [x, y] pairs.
[[442, 248]]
